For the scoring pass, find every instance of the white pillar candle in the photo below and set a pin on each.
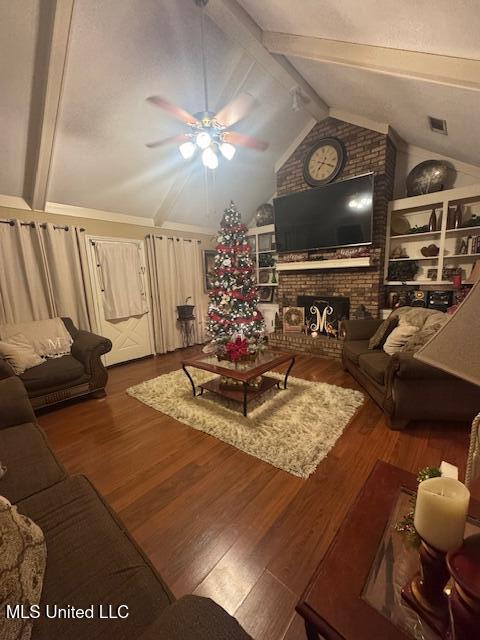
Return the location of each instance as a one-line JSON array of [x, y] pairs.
[[441, 512]]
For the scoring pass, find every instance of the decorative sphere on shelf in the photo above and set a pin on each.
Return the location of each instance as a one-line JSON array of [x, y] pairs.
[[314, 334]]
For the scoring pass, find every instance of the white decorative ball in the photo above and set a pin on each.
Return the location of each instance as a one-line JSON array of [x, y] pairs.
[[314, 334]]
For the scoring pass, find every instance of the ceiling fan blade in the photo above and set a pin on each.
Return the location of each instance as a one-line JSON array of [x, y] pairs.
[[173, 110], [236, 110], [183, 137], [245, 141]]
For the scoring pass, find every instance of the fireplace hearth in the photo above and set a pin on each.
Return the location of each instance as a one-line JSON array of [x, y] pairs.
[[323, 314]]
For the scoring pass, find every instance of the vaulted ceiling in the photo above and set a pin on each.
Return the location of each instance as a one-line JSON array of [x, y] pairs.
[[74, 125]]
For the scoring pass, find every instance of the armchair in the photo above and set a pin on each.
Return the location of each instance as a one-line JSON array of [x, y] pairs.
[[79, 373]]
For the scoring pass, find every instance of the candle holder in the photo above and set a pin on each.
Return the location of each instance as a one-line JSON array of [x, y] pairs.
[[464, 567], [425, 592]]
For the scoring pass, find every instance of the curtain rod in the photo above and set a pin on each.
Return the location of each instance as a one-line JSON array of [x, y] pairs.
[[43, 225], [178, 239]]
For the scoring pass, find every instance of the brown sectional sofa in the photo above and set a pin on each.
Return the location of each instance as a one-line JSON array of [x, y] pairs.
[[77, 374], [91, 558], [405, 388]]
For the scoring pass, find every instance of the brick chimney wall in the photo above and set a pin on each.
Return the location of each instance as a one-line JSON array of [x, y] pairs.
[[366, 151]]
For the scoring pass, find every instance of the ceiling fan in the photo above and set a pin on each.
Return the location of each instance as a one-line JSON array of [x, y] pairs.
[[208, 131]]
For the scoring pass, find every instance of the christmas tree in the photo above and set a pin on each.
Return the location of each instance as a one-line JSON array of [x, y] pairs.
[[233, 317]]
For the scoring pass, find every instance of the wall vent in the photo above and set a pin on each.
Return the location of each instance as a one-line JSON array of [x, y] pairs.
[[438, 125]]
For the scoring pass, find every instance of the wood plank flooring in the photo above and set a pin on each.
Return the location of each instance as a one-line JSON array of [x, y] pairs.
[[216, 521]]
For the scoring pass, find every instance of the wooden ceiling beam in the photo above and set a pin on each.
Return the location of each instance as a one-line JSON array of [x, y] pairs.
[[50, 62], [445, 70], [237, 24]]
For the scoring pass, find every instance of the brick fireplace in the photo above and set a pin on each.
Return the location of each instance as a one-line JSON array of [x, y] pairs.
[[367, 150]]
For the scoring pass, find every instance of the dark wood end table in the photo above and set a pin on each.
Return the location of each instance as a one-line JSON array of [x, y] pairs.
[[244, 372], [354, 593]]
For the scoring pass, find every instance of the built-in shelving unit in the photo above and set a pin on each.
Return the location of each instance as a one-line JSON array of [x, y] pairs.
[[416, 212], [262, 241]]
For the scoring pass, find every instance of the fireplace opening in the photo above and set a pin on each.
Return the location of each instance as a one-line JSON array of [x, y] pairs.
[[323, 314]]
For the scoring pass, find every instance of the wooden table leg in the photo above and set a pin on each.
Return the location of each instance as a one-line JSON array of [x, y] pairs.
[[245, 391], [285, 380], [194, 389]]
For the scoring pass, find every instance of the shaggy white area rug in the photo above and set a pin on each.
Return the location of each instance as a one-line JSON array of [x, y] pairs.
[[292, 429]]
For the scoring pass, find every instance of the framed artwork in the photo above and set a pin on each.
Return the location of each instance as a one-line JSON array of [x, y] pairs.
[[265, 294], [208, 266], [293, 319]]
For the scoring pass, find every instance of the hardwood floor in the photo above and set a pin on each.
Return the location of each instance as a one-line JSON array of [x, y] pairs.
[[216, 521]]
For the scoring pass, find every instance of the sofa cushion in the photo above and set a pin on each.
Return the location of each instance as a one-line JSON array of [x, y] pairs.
[[31, 465], [374, 364], [55, 372], [399, 338], [19, 353], [91, 560], [195, 618], [353, 348]]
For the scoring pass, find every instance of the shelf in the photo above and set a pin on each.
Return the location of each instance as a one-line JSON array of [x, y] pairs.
[[463, 256], [265, 268], [424, 234], [397, 283], [341, 263], [410, 259], [267, 284], [462, 230], [268, 251]]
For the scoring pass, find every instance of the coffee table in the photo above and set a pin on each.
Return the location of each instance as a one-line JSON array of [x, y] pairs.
[[244, 372]]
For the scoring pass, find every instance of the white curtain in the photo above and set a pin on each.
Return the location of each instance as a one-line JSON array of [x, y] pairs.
[[175, 271], [44, 274], [122, 283]]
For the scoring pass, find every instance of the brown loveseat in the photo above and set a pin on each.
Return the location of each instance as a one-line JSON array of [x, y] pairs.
[[77, 374], [405, 388], [91, 559]]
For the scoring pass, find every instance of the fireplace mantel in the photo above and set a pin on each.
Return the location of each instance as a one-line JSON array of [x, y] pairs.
[[341, 263]]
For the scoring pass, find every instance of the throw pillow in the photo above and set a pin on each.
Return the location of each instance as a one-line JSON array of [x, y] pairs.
[[23, 557], [398, 338], [421, 337], [19, 353], [381, 334]]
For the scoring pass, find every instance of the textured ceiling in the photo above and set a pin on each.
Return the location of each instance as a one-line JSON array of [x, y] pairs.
[[122, 51], [442, 27], [404, 103], [18, 28], [118, 56]]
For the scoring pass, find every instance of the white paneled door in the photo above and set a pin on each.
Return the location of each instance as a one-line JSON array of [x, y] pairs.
[[131, 337]]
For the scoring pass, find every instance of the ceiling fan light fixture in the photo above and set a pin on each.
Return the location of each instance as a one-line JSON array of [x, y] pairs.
[[209, 158], [203, 140], [187, 149], [227, 150]]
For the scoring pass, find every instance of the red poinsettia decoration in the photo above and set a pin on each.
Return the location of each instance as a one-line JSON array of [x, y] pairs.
[[237, 348]]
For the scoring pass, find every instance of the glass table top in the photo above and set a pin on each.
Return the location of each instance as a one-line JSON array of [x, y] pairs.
[[396, 562], [263, 358]]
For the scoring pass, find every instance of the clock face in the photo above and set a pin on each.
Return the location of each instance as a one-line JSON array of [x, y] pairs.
[[324, 161]]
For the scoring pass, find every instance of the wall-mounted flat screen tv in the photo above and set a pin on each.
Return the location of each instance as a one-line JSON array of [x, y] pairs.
[[336, 215]]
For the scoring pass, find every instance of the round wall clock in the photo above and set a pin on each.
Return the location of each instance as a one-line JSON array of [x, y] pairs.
[[324, 162]]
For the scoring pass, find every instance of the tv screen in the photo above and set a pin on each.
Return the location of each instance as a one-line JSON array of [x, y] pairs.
[[336, 215]]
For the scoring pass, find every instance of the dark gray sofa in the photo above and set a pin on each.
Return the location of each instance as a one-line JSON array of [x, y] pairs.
[[404, 387], [91, 558]]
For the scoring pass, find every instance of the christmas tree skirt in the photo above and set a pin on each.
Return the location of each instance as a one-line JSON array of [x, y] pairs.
[[292, 429]]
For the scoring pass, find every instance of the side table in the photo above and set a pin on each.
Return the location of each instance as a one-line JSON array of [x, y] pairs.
[[355, 591]]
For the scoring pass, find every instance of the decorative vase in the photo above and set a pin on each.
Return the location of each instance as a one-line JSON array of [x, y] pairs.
[[432, 223]]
